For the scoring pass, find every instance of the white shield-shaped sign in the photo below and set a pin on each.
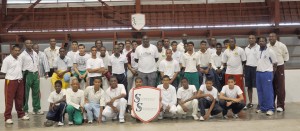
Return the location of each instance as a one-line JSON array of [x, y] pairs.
[[146, 103], [138, 21]]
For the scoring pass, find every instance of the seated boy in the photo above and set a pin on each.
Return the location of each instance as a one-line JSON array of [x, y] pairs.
[[138, 83]]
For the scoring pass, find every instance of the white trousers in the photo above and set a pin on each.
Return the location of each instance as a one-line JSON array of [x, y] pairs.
[[191, 105], [120, 104]]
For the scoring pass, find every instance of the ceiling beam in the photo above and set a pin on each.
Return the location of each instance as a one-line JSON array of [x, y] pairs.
[[116, 13], [17, 18]]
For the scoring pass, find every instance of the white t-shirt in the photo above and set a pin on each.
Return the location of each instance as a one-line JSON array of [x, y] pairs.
[[117, 64], [93, 64], [185, 94], [72, 54], [251, 54], [75, 99], [169, 67], [54, 97], [112, 93], [105, 60], [234, 59], [51, 54], [146, 57], [204, 58], [12, 68], [231, 93], [62, 64], [281, 51], [168, 95], [213, 92], [216, 61], [81, 61], [95, 97], [190, 62], [177, 55], [266, 59]]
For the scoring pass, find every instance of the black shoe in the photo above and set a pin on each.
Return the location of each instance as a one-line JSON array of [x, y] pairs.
[[249, 105]]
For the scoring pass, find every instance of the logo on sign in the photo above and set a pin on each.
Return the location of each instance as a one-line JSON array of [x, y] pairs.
[[138, 21], [146, 103]]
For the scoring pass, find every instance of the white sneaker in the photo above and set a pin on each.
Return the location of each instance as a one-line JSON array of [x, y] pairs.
[[115, 118], [201, 118], [225, 117], [195, 117], [279, 109], [235, 116], [26, 113], [90, 122], [25, 117], [160, 117], [39, 112], [60, 124], [269, 113], [71, 123], [245, 108], [122, 120], [183, 116], [9, 121], [103, 118], [258, 111]]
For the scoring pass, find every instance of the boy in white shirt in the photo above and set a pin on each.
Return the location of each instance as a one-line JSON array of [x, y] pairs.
[[79, 66], [231, 97], [187, 101], [75, 101], [169, 98], [115, 101], [208, 98], [94, 66], [71, 54], [217, 67], [95, 100], [57, 105], [138, 83]]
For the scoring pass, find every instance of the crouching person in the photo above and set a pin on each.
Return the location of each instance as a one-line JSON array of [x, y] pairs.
[[57, 106], [208, 99], [75, 101], [169, 98], [138, 83], [95, 100], [115, 101], [186, 99]]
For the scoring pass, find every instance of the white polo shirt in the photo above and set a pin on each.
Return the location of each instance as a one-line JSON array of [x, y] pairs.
[[212, 50], [216, 61], [168, 95], [180, 47], [185, 94], [93, 64], [231, 93], [12, 68], [134, 65], [81, 61], [190, 62], [75, 99], [95, 97], [51, 54], [281, 52], [105, 60], [176, 55], [204, 58], [146, 57], [169, 67], [54, 97], [117, 64], [112, 93], [251, 54], [72, 54], [161, 56], [234, 59], [30, 62], [62, 64], [213, 92], [266, 59]]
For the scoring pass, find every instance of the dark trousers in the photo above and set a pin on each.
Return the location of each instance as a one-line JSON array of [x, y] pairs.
[[236, 107], [210, 75], [205, 104], [14, 90], [58, 113], [219, 79], [122, 79], [279, 86], [51, 72]]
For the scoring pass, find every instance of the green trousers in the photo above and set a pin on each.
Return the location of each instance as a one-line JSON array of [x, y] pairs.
[[32, 81], [75, 115], [193, 78]]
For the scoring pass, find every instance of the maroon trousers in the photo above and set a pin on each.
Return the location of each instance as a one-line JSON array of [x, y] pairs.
[[14, 90], [279, 86]]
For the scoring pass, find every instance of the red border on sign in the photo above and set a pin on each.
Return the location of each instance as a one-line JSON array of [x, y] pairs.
[[158, 111]]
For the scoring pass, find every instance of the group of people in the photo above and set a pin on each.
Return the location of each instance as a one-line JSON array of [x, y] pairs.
[[97, 86]]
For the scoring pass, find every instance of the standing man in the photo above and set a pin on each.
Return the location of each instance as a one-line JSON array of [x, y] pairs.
[[146, 57], [166, 44], [99, 44], [190, 64], [180, 46], [266, 66], [205, 67], [234, 58], [250, 68], [176, 54], [71, 53], [212, 45], [30, 61], [127, 48], [43, 62], [118, 66], [132, 66], [106, 74], [80, 64], [217, 67], [282, 55], [52, 52], [14, 87], [94, 66]]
